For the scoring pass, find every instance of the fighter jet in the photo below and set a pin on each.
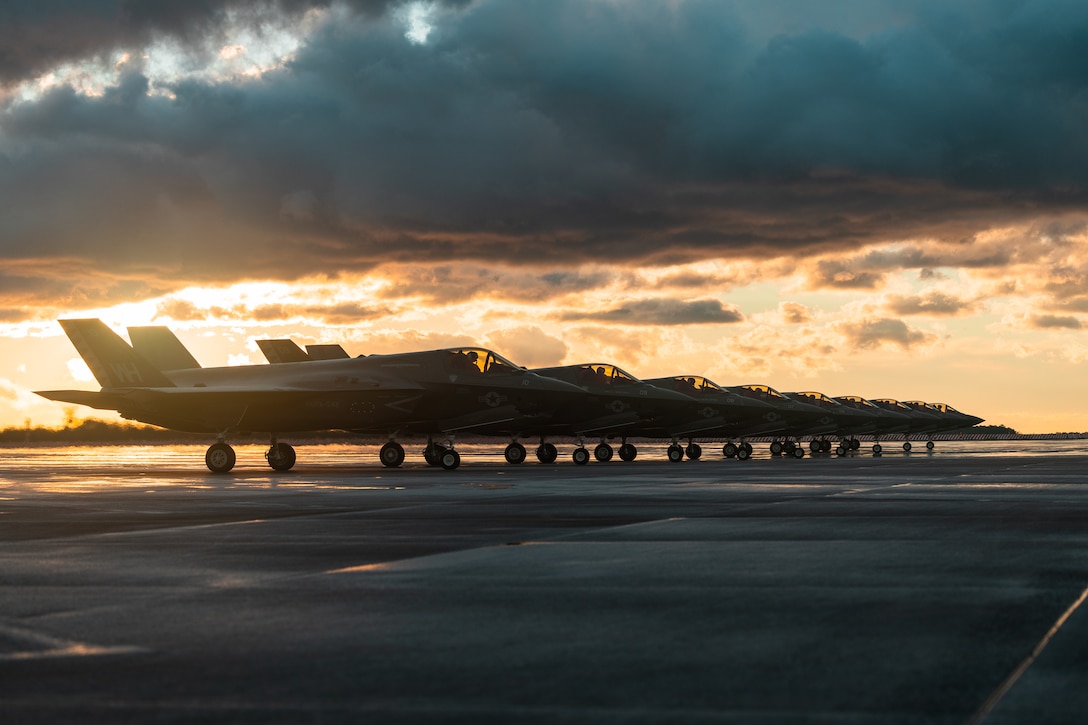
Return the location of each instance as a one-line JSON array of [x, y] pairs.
[[440, 391], [799, 416], [617, 405], [847, 421], [947, 418], [886, 421], [717, 413]]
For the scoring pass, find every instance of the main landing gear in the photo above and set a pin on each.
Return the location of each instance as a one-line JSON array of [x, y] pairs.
[[437, 454], [741, 451], [220, 457]]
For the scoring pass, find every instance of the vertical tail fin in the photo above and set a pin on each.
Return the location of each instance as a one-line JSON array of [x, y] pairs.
[[160, 346], [282, 351], [112, 360], [330, 351]]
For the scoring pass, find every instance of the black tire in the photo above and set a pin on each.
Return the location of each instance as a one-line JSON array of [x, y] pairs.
[[815, 446], [628, 452], [877, 448], [730, 450], [450, 459], [744, 452], [930, 445], [281, 457], [603, 452], [220, 458], [547, 453], [391, 454], [515, 453], [777, 448], [907, 446], [798, 452], [675, 453], [580, 456], [694, 451]]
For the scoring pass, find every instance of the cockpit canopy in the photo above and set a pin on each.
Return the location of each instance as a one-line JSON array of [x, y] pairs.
[[945, 408], [764, 391], [859, 401], [893, 403], [818, 397], [479, 360], [695, 384], [604, 374]]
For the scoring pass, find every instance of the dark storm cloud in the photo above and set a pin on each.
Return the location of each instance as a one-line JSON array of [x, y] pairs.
[[549, 132], [663, 312], [38, 35]]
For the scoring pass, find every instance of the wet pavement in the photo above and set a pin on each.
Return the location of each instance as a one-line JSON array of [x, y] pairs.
[[135, 587]]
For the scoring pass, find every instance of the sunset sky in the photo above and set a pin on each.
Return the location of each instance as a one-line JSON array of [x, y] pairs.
[[886, 198]]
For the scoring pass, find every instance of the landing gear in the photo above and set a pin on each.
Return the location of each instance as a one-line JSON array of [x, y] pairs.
[[546, 453], [391, 454], [730, 450], [280, 456], [777, 447], [798, 452], [515, 453], [906, 446], [877, 449], [676, 453], [603, 452], [449, 459], [694, 451], [628, 452], [580, 456], [220, 457], [930, 445]]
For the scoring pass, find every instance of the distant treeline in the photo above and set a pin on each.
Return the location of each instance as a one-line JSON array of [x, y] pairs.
[[92, 430]]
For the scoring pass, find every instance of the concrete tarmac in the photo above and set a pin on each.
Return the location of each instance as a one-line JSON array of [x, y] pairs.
[[137, 587]]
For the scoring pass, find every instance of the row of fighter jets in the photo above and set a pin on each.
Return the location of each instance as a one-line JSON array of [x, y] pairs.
[[444, 393]]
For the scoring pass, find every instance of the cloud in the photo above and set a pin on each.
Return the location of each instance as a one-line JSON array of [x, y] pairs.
[[662, 312], [867, 334], [933, 303], [529, 346], [794, 313], [1054, 322], [543, 133]]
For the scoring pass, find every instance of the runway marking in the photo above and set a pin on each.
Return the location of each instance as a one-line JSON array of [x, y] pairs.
[[1004, 687], [36, 646]]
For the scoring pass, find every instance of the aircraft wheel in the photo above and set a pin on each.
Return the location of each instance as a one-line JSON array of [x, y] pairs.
[[776, 448], [628, 452], [515, 453], [281, 457], [694, 451], [840, 451], [547, 453], [450, 459], [855, 444], [825, 446], [744, 452], [906, 446], [675, 453], [220, 458], [747, 447], [730, 450], [432, 454], [815, 446], [580, 456], [603, 452], [799, 452], [790, 447], [391, 454], [929, 445], [877, 448]]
